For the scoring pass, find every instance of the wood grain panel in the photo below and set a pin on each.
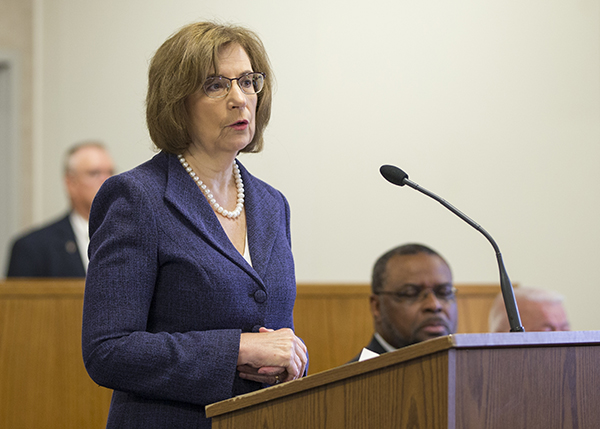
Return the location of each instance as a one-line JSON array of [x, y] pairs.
[[554, 384], [43, 383], [409, 396]]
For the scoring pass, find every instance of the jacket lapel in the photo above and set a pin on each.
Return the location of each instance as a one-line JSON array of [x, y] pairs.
[[263, 220], [185, 196]]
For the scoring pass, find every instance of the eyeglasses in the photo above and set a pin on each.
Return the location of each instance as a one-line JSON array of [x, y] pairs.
[[413, 294], [219, 86]]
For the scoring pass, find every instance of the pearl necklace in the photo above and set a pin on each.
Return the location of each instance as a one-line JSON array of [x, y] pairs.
[[209, 196]]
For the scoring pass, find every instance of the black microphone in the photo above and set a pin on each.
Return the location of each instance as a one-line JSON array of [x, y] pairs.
[[398, 177]]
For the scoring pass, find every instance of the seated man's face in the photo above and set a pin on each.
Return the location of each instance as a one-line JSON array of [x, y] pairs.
[[543, 316], [402, 318]]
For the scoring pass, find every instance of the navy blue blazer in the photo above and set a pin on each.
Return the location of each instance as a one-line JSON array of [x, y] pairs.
[[167, 294], [50, 251]]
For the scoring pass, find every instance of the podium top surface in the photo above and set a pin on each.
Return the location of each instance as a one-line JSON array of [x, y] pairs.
[[456, 341]]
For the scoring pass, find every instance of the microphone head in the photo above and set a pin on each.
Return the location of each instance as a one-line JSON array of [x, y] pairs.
[[393, 174]]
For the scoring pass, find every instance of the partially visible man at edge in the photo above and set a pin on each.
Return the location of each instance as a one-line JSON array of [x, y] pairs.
[[60, 248], [413, 298], [540, 310]]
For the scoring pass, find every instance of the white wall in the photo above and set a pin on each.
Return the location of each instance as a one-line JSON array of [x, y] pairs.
[[493, 105], [10, 175]]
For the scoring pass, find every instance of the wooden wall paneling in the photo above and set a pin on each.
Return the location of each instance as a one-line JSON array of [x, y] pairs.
[[474, 303], [43, 382], [334, 321]]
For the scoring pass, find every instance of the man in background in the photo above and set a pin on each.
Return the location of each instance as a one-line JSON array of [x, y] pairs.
[[540, 310], [60, 249], [413, 298]]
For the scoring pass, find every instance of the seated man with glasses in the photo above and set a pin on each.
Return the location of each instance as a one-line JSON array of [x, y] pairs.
[[413, 298]]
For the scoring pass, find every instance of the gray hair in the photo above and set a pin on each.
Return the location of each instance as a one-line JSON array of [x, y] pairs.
[[498, 317], [68, 167]]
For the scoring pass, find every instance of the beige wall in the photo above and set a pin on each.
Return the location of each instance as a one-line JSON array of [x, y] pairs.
[[16, 135], [493, 105], [16, 39]]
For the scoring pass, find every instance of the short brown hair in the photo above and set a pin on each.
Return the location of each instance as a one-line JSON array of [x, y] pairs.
[[182, 64]]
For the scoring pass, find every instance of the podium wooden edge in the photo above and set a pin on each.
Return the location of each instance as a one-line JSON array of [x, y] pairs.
[[325, 377], [516, 339]]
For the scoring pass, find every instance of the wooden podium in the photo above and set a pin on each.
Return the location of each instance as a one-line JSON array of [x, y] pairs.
[[512, 380]]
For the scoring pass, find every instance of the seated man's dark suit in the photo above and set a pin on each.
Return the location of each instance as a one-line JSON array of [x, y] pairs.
[[374, 346], [50, 251]]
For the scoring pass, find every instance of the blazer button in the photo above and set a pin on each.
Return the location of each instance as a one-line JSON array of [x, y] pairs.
[[260, 296]]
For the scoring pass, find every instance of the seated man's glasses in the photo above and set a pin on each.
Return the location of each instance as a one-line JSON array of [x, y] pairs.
[[414, 293]]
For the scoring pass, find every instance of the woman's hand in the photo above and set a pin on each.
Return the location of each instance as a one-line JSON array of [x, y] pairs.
[[271, 356]]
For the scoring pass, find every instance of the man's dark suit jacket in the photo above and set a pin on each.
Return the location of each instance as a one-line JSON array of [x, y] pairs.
[[374, 346], [50, 251]]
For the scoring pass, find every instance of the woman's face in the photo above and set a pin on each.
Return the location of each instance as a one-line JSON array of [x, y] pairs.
[[224, 124]]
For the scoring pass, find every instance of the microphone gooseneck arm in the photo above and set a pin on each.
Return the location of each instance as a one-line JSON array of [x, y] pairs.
[[398, 177]]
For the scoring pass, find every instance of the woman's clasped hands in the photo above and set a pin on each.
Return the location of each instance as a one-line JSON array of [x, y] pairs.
[[271, 357]]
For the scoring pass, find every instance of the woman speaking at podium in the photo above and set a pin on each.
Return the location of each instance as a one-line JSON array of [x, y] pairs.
[[191, 285]]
